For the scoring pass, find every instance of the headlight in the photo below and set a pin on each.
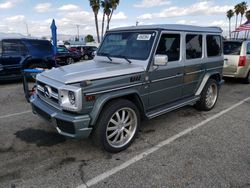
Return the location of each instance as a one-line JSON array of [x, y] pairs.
[[72, 97]]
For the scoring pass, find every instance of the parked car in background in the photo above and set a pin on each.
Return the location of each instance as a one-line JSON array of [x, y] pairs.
[[138, 72], [88, 52], [237, 60], [65, 57], [17, 54]]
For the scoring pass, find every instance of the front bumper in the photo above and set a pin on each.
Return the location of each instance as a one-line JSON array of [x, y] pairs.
[[70, 125]]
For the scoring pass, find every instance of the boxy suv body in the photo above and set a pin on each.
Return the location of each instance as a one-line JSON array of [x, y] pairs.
[[138, 72], [237, 60], [16, 54]]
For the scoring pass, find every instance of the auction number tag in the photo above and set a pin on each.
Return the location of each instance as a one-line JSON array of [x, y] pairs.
[[144, 37]]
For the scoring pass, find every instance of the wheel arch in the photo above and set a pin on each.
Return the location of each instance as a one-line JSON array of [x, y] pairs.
[[102, 101], [214, 75]]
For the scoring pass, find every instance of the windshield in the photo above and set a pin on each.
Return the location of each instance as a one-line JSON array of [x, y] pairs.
[[232, 48], [131, 45]]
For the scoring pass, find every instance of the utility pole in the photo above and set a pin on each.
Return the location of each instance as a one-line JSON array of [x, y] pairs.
[[78, 35], [27, 29], [137, 23]]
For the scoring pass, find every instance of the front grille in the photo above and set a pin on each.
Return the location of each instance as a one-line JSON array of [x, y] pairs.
[[42, 113], [53, 93], [65, 126]]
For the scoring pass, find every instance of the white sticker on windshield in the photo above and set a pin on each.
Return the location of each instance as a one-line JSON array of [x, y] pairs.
[[144, 37]]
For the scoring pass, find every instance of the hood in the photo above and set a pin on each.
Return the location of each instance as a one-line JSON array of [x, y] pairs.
[[90, 70]]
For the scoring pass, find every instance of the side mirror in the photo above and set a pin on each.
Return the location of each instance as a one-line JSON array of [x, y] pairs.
[[160, 60]]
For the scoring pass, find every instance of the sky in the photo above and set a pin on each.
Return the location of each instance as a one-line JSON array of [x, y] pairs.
[[36, 15]]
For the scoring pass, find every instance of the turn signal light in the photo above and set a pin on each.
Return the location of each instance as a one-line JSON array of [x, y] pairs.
[[242, 61], [90, 98]]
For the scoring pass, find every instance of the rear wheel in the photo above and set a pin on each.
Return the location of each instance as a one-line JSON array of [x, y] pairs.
[[85, 57], [209, 96], [117, 126], [70, 60], [247, 79]]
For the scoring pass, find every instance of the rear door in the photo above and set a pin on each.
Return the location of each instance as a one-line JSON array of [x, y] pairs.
[[232, 51], [194, 66]]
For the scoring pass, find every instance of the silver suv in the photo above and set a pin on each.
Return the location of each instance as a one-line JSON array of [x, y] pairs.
[[237, 60], [138, 72]]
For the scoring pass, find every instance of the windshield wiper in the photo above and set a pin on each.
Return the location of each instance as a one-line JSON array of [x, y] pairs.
[[106, 55], [124, 57]]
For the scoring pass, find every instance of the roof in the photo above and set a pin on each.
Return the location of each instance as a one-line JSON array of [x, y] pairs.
[[172, 27]]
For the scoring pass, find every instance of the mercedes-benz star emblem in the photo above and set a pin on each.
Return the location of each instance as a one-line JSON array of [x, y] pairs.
[[47, 92]]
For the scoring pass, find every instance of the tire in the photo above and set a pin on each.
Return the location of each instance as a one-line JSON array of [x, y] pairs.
[[209, 96], [247, 79], [120, 135], [85, 57], [70, 61]]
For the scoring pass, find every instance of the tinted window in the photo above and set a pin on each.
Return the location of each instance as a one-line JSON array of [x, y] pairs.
[[132, 45], [214, 45], [62, 50], [169, 45], [232, 48], [40, 45], [193, 46], [13, 48], [248, 48]]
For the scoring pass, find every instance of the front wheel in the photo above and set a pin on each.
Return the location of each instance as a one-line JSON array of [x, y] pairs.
[[209, 96], [117, 126], [70, 61]]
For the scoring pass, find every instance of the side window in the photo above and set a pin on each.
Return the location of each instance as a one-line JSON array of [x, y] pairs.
[[248, 49], [193, 46], [170, 45], [214, 45], [13, 48]]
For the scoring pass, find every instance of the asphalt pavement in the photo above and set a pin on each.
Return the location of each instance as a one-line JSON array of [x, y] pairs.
[[184, 148]]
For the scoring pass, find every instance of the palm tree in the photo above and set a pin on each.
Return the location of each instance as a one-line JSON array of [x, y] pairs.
[[248, 18], [243, 9], [230, 14], [114, 4], [237, 9], [95, 5], [106, 12]]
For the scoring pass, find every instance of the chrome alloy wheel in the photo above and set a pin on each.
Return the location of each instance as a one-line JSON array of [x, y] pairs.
[[121, 127], [212, 94], [70, 61]]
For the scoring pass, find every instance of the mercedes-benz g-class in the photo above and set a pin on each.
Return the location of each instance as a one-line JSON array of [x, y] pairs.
[[138, 72]]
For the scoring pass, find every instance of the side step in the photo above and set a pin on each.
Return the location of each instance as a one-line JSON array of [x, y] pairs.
[[173, 106]]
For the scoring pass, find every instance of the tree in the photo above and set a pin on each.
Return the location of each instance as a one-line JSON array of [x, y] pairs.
[[89, 38], [95, 5], [114, 4], [237, 9], [106, 12], [248, 19], [230, 14], [243, 9]]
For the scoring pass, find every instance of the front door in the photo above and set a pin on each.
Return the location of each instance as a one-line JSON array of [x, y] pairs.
[[166, 81]]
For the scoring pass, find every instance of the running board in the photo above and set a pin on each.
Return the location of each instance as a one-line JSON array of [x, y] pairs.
[[171, 107]]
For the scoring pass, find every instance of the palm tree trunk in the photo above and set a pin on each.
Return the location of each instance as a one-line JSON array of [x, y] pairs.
[[109, 19], [103, 20], [97, 28], [229, 28], [240, 25], [236, 26]]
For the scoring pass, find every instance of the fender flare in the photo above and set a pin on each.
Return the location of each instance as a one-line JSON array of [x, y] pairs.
[[104, 99], [204, 81]]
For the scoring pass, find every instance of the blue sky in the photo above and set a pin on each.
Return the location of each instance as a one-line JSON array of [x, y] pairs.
[[16, 14]]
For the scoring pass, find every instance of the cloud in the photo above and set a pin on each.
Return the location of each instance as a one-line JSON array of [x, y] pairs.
[[42, 7], [68, 7], [190, 22], [150, 3], [199, 8], [119, 16], [15, 19]]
